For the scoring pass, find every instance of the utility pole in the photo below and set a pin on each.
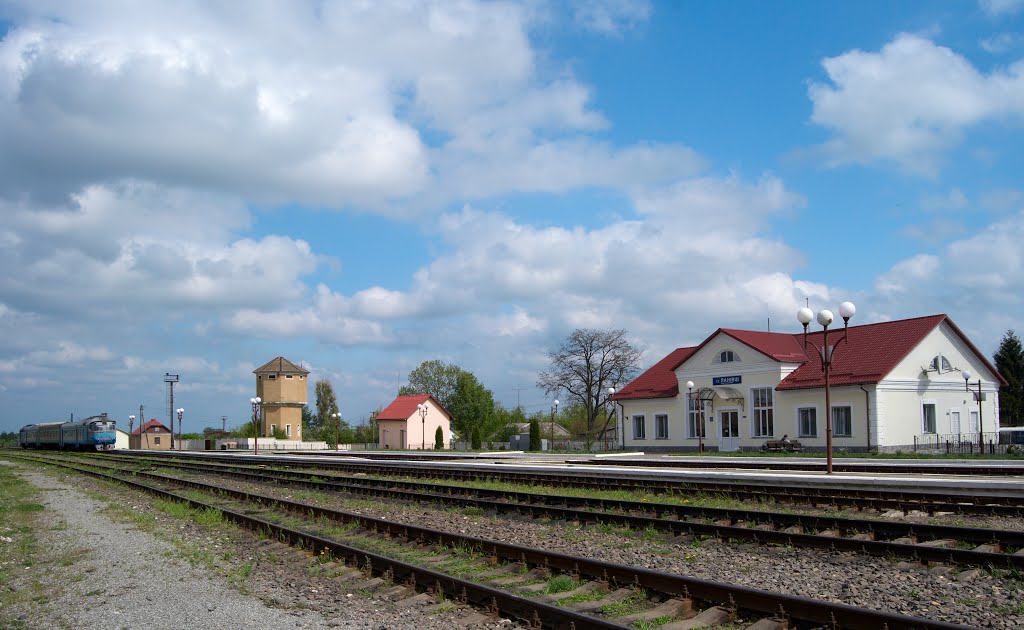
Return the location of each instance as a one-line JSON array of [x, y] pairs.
[[223, 424], [171, 379]]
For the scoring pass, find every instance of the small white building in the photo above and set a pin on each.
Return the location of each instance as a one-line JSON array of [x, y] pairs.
[[402, 424], [892, 384]]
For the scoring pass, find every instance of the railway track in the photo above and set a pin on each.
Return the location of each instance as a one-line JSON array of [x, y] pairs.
[[874, 467], [917, 542], [509, 575], [975, 503]]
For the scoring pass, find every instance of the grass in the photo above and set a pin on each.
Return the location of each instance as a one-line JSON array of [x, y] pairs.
[[27, 567], [652, 623], [632, 604]]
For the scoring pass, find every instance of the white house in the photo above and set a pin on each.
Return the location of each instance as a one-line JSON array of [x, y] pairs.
[[405, 425], [891, 383]]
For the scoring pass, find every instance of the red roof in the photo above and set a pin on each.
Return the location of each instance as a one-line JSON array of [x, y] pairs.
[[869, 353], [659, 381], [403, 407], [149, 425]]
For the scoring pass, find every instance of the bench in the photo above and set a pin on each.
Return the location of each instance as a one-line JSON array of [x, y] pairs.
[[779, 446]]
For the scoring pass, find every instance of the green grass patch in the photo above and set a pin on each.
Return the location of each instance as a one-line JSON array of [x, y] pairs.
[[632, 604]]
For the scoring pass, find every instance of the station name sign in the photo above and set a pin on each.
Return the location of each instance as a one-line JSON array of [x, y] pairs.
[[726, 380]]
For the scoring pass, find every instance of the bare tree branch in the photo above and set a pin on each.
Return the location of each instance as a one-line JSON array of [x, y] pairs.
[[586, 364]]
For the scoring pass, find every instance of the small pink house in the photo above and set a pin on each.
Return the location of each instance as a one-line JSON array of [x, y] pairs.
[[410, 422]]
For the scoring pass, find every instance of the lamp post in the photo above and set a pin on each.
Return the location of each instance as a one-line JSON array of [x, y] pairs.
[[611, 403], [337, 424], [696, 417], [181, 412], [967, 387], [825, 352], [131, 427], [257, 429], [554, 412], [423, 409]]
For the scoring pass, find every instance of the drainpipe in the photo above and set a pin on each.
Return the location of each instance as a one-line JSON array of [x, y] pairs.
[[867, 413]]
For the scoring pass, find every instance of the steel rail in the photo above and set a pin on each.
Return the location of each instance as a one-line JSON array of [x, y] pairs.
[[547, 506], [986, 470], [931, 502], [734, 596]]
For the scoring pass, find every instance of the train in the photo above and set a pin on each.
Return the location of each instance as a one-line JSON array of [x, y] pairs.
[[93, 433]]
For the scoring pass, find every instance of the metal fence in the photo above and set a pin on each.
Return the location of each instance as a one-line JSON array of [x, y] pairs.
[[960, 443]]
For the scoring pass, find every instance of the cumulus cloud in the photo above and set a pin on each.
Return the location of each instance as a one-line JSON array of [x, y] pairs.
[[1001, 7], [610, 17], [909, 102]]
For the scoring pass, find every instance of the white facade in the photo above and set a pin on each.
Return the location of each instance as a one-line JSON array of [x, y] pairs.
[[745, 399]]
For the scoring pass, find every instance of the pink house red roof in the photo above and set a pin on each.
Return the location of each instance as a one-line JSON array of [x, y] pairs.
[[659, 381], [403, 407], [869, 353], [150, 425]]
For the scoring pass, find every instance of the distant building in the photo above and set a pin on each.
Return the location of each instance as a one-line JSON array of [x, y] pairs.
[[893, 384], [152, 436], [283, 388], [401, 426]]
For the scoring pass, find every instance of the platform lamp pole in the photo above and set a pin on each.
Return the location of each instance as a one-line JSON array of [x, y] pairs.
[[423, 408], [337, 427], [181, 412], [696, 417], [981, 430], [804, 316], [554, 412], [256, 424], [131, 427]]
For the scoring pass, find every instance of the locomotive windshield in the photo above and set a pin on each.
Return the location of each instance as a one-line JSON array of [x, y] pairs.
[[102, 426]]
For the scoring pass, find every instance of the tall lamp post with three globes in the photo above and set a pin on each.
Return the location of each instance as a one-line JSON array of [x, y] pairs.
[[825, 352], [181, 412]]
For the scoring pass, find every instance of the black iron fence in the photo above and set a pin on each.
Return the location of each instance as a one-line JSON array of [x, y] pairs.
[[960, 443]]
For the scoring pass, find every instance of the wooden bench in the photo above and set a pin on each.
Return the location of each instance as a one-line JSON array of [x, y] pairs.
[[778, 446]]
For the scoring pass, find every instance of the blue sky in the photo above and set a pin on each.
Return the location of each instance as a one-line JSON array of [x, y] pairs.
[[197, 188]]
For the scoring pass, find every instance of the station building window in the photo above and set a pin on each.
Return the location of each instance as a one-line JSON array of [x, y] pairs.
[[842, 421], [807, 422], [661, 426], [288, 430], [639, 427], [727, 356], [928, 417], [763, 412]]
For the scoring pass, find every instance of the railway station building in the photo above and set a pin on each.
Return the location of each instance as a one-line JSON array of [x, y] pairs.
[[411, 422], [283, 389], [894, 385]]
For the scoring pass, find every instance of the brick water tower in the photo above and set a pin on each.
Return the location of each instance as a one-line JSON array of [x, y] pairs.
[[282, 386]]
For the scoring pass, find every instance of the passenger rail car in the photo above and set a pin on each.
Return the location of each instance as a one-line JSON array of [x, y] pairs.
[[93, 433]]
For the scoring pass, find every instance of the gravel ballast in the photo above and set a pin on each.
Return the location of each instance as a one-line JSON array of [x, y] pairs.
[[128, 578]]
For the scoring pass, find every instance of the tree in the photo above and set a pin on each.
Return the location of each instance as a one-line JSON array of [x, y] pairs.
[[1009, 360], [439, 439], [587, 363], [326, 408], [436, 378], [471, 406], [534, 435], [312, 427], [474, 441]]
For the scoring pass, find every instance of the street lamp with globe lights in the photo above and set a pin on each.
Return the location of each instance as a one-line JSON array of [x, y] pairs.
[[825, 352], [423, 409], [337, 425], [131, 428], [256, 424], [977, 395], [181, 412], [554, 412]]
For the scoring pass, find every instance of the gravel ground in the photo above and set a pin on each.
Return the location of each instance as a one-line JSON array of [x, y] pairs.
[[123, 577], [970, 597], [301, 599]]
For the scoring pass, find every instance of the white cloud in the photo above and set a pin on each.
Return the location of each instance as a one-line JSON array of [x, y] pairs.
[[376, 105], [1001, 7], [610, 17], [1001, 43], [909, 102]]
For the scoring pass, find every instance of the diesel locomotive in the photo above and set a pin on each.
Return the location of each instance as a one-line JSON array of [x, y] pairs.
[[93, 433]]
